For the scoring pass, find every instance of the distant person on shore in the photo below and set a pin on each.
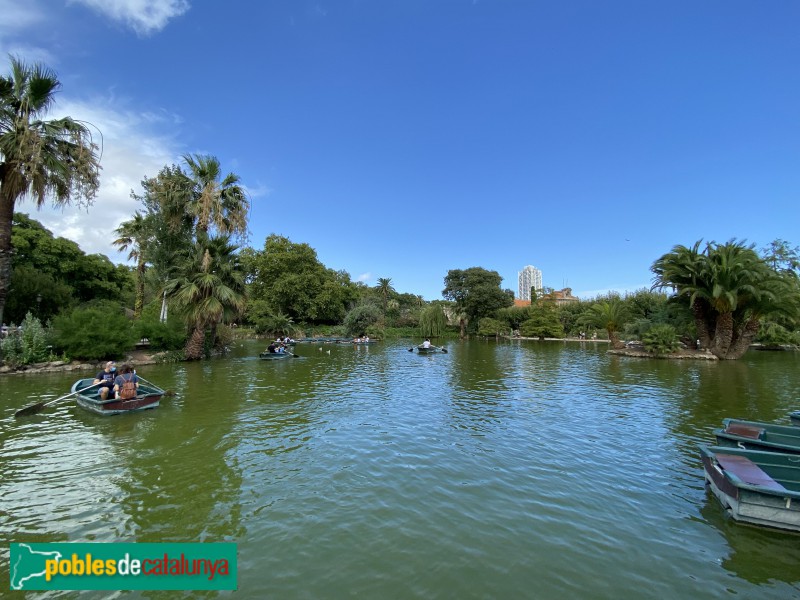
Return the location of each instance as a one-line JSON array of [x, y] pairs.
[[106, 379]]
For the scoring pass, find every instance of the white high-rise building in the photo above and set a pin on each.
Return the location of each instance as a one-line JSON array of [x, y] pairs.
[[529, 277]]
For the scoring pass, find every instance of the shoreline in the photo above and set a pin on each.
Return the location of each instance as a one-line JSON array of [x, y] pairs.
[[135, 359]]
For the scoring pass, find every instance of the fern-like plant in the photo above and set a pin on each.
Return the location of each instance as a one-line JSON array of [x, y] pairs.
[[661, 339]]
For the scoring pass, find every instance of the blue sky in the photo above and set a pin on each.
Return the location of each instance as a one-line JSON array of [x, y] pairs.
[[405, 139]]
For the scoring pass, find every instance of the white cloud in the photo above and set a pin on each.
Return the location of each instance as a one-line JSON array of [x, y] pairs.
[[18, 15], [143, 16], [130, 153], [364, 277]]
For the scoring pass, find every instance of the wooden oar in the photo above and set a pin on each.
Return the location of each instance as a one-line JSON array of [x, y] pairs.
[[292, 353], [153, 385], [35, 408]]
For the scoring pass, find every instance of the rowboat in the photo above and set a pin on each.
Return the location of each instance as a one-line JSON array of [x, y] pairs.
[[431, 350], [795, 417], [274, 355], [148, 396], [753, 435], [758, 487]]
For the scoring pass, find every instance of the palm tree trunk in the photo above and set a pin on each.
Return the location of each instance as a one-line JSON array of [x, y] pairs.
[[743, 341], [723, 335], [6, 217], [703, 322], [194, 347], [138, 304], [163, 317], [616, 343]]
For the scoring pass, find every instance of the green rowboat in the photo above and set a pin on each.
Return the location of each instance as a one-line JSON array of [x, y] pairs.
[[762, 488], [753, 435]]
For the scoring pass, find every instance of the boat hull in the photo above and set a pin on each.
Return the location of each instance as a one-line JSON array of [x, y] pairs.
[[795, 418], [421, 350], [766, 504], [754, 435], [147, 398], [274, 355]]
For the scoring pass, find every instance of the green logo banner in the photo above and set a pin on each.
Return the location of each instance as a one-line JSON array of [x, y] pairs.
[[98, 566]]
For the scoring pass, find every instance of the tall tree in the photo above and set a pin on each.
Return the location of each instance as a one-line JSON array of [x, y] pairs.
[[135, 235], [208, 287], [292, 280], [216, 203], [729, 289], [43, 159], [476, 293], [385, 289]]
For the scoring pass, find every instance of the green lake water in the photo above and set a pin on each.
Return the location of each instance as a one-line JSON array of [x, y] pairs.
[[497, 470]]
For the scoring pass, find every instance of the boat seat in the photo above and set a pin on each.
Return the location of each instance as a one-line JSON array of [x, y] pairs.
[[748, 471], [747, 431]]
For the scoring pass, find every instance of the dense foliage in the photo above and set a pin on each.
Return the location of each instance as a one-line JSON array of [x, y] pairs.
[[476, 293], [729, 289], [94, 332]]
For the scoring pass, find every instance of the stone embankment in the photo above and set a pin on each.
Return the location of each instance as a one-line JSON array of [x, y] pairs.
[[135, 359]]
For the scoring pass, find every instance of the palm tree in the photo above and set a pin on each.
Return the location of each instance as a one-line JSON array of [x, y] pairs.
[[136, 234], [729, 289], [208, 287], [611, 316], [222, 205], [384, 287], [55, 159]]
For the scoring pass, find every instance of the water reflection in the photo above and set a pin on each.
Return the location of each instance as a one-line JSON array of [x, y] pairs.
[[758, 555], [490, 471]]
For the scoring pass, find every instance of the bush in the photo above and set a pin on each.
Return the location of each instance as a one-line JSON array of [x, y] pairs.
[[31, 345], [162, 336], [661, 339], [492, 327], [94, 332], [361, 318]]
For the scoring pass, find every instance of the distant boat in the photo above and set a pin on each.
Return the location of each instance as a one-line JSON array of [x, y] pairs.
[[147, 396], [753, 435], [431, 350], [275, 355], [755, 486]]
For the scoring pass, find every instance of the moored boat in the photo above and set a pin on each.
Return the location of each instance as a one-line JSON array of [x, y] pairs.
[[795, 418], [754, 435], [147, 396], [755, 486]]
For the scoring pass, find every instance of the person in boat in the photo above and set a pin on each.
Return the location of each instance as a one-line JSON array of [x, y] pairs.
[[106, 379], [426, 343], [366, 339], [126, 383], [272, 348]]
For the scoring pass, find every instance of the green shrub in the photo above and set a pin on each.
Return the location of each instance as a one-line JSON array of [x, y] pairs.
[[361, 318], [162, 336], [661, 339], [31, 345], [94, 332], [492, 327]]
